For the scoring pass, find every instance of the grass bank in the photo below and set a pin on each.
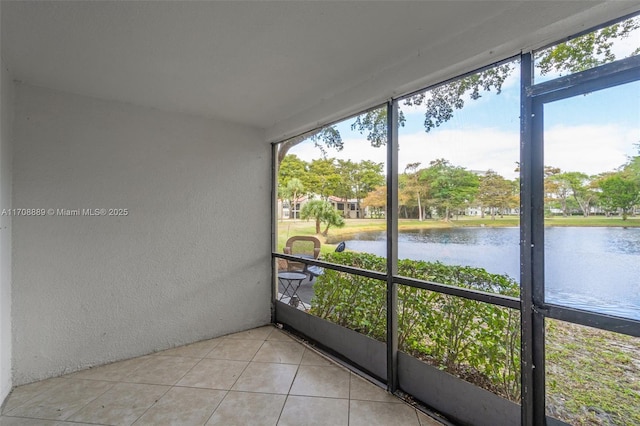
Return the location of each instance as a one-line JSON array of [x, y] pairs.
[[289, 228], [593, 376]]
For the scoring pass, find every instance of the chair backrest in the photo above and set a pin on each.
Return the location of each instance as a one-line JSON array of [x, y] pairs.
[[303, 245]]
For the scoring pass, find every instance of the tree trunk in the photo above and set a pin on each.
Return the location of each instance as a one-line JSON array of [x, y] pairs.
[[317, 225], [419, 209], [285, 146], [295, 200]]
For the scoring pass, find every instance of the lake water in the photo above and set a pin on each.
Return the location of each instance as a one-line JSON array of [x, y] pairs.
[[596, 269]]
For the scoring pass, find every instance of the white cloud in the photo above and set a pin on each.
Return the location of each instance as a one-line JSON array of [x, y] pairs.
[[591, 149], [355, 149], [623, 48], [480, 149]]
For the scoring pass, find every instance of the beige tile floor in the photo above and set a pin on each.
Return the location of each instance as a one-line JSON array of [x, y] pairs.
[[256, 377]]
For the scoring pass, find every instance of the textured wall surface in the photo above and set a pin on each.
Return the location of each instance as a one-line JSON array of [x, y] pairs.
[[191, 260], [6, 108]]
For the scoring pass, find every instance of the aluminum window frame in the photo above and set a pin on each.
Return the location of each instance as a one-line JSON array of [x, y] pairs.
[[531, 304]]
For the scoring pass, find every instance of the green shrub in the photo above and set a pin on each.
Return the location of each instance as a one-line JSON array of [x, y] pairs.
[[476, 341]]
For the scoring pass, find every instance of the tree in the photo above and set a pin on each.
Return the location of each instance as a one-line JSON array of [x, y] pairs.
[[619, 192], [326, 137], [346, 170], [377, 201], [587, 51], [582, 189], [332, 218], [323, 178], [583, 52], [405, 195], [292, 175], [556, 189], [494, 192], [358, 179], [366, 177], [322, 212], [292, 191], [292, 167], [450, 187], [414, 187], [569, 187], [631, 170]]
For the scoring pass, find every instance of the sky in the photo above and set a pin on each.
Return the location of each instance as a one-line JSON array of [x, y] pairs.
[[591, 133]]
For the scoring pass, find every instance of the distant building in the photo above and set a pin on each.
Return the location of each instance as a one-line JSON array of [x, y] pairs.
[[347, 208]]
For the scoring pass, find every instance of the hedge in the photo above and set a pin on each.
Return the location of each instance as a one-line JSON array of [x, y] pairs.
[[476, 341]]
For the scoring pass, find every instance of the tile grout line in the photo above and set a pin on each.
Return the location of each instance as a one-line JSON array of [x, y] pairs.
[[217, 406], [77, 411], [51, 390], [170, 386], [111, 384], [417, 416], [286, 397], [239, 375], [194, 387], [154, 403], [50, 420], [226, 392], [6, 412], [282, 409], [247, 366], [290, 387]]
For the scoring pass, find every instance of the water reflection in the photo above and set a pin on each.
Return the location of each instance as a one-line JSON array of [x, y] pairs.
[[588, 268]]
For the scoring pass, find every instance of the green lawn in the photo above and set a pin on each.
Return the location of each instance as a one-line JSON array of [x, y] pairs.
[[592, 375], [631, 222]]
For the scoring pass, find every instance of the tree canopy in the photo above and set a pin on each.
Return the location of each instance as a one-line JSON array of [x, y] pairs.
[[445, 189], [322, 212], [496, 193], [583, 52], [619, 192], [451, 187]]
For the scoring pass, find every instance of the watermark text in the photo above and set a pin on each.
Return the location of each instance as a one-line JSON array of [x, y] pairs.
[[65, 212]]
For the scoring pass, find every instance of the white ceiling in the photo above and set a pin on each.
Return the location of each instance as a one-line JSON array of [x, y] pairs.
[[281, 66]]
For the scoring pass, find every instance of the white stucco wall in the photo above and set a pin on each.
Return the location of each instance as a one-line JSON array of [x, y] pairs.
[[6, 108], [190, 261]]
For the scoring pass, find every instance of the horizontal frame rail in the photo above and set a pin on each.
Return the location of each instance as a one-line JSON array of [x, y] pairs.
[[340, 268], [481, 296], [466, 293], [626, 326], [602, 77]]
